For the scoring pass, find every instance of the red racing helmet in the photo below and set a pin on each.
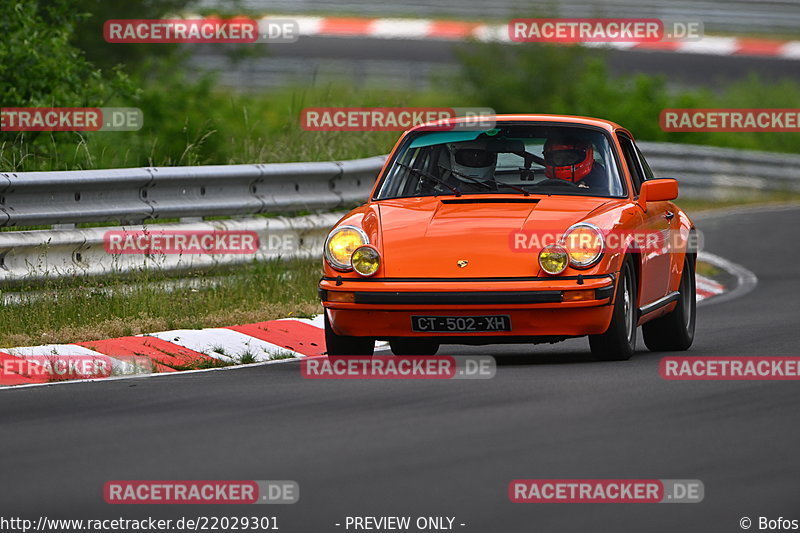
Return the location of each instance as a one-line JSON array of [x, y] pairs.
[[570, 160]]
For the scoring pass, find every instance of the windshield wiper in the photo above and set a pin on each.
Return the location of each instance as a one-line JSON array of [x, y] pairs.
[[473, 179], [431, 177], [481, 182]]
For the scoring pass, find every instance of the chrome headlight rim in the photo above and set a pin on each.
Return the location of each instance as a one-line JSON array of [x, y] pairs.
[[596, 259], [336, 265], [378, 257], [554, 247]]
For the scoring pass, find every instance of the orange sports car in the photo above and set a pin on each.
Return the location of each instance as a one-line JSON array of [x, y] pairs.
[[537, 229]]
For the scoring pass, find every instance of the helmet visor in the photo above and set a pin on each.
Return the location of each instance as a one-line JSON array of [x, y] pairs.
[[564, 157], [475, 158]]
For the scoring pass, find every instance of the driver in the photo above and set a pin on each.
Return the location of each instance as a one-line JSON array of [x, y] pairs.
[[467, 162], [573, 160]]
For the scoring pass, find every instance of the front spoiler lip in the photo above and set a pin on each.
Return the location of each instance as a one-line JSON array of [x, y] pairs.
[[457, 298], [339, 280], [458, 294]]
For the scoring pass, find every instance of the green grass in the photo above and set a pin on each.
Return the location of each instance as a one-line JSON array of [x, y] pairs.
[[198, 124], [201, 364], [75, 311], [708, 270], [281, 355], [201, 125], [245, 358]]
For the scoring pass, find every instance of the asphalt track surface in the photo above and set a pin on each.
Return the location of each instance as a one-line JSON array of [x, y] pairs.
[[683, 69], [447, 448]]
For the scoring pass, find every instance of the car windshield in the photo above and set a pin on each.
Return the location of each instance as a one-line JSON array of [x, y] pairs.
[[516, 159]]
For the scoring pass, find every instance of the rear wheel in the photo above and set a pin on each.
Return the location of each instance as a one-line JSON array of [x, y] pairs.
[[346, 345], [675, 331], [414, 346], [618, 343]]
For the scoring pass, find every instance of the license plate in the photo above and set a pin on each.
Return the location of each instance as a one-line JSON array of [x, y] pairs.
[[461, 324]]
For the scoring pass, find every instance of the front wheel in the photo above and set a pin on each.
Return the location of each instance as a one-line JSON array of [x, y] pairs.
[[345, 345], [675, 331], [618, 343]]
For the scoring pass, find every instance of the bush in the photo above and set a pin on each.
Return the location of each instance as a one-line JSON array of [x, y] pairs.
[[39, 67]]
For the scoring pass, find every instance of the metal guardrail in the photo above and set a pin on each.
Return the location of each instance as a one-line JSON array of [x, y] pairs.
[[37, 255], [719, 173], [131, 196]]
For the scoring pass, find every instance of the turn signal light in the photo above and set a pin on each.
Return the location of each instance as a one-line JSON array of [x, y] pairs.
[[577, 296], [342, 296]]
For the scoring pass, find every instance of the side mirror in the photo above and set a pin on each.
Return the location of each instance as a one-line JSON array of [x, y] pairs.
[[658, 190]]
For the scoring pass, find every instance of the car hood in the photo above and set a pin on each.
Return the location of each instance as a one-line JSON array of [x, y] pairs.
[[428, 237]]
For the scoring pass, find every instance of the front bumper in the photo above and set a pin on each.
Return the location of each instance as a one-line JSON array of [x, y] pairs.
[[542, 307]]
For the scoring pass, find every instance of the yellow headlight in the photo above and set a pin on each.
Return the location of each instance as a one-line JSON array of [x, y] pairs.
[[584, 243], [553, 259], [341, 244], [366, 260]]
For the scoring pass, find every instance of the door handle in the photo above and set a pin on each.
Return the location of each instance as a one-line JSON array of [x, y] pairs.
[[669, 215]]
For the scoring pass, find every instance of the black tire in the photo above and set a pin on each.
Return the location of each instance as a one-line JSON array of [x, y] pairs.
[[414, 346], [675, 332], [346, 345], [618, 343]]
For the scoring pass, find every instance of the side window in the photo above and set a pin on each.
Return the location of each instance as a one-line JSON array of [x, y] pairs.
[[632, 162], [648, 174]]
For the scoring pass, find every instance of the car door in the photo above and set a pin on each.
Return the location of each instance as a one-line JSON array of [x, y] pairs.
[[655, 228], [673, 226]]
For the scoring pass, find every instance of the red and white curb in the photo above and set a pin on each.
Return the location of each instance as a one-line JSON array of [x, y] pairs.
[[194, 348], [189, 348], [452, 30], [706, 288]]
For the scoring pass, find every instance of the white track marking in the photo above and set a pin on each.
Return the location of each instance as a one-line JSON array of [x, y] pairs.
[[46, 354], [710, 45], [746, 280], [223, 344], [492, 33], [307, 25], [51, 350], [791, 50], [400, 28]]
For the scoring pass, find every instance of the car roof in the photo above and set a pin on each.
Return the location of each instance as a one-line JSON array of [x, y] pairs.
[[572, 119]]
